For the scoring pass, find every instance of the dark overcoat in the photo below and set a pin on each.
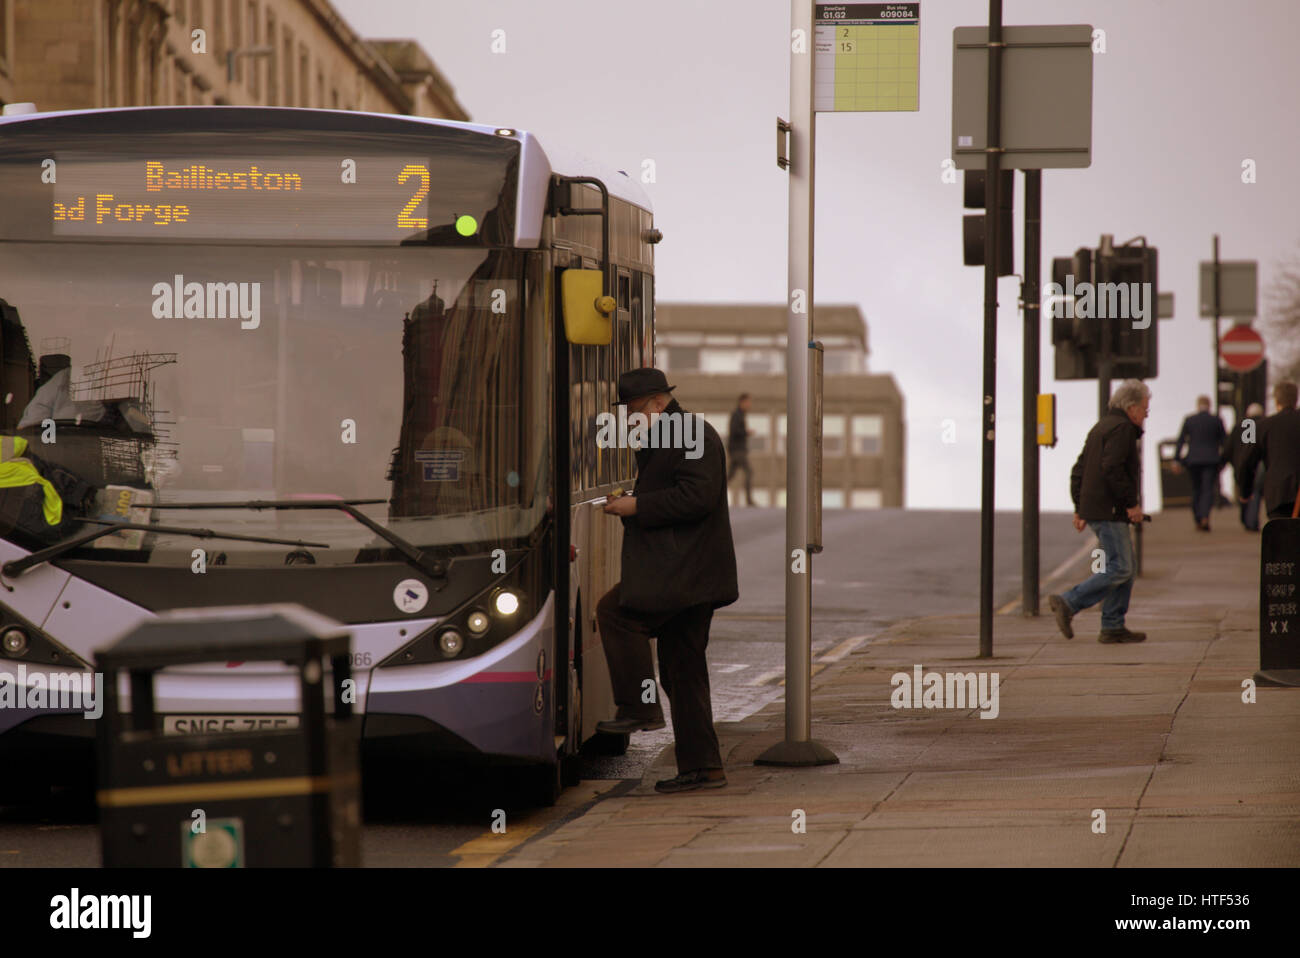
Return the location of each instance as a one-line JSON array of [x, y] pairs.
[[1104, 480], [1277, 446], [677, 549]]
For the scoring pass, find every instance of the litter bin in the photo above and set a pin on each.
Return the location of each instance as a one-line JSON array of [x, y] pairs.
[[271, 796], [1175, 483]]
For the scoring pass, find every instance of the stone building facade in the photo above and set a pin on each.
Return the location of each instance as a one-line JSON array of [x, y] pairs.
[[83, 54]]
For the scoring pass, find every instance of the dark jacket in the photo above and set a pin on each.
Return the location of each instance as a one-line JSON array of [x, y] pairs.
[[1277, 446], [677, 549], [1236, 450], [737, 434], [1104, 480], [1204, 434]]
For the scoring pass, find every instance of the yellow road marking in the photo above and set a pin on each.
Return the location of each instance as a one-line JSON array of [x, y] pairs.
[[486, 849]]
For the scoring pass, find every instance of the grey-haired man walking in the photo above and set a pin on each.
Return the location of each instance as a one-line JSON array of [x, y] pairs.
[[1105, 487]]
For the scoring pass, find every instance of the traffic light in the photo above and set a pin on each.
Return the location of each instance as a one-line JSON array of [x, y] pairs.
[[1239, 390], [974, 198], [1113, 312], [1133, 347], [1075, 337]]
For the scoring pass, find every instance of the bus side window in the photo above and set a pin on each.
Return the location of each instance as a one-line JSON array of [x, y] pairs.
[[646, 333], [577, 424]]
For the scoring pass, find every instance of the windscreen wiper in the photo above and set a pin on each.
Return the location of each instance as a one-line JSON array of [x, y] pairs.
[[17, 567], [424, 562]]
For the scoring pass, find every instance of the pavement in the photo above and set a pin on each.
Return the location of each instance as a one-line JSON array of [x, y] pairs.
[[1100, 755]]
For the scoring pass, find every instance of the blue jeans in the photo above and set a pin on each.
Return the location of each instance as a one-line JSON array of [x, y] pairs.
[[1114, 585]]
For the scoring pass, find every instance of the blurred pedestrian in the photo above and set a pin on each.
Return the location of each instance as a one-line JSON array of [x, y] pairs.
[[679, 564], [738, 447], [1203, 434], [1104, 485], [1235, 453], [1277, 447]]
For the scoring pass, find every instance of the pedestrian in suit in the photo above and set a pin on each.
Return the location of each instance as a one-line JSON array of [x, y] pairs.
[[1203, 434], [1104, 485], [1277, 446], [1239, 447], [738, 447], [678, 565]]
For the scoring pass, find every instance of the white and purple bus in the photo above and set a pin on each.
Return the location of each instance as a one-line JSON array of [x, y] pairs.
[[318, 357]]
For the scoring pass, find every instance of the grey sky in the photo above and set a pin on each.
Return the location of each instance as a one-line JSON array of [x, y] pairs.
[[1184, 93]]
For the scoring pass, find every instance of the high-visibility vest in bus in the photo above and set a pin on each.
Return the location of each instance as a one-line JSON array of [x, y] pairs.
[[16, 471]]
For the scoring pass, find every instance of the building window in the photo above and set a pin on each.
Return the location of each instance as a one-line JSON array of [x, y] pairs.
[[682, 359], [760, 361], [762, 497], [236, 37], [780, 434], [254, 63], [832, 498], [842, 361], [304, 77], [865, 499], [866, 435], [272, 63], [5, 66], [832, 435], [720, 361], [288, 69], [761, 427]]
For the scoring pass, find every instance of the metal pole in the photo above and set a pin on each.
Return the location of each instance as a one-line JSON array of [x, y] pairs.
[[988, 410], [799, 747], [1029, 507], [1218, 408], [1101, 274]]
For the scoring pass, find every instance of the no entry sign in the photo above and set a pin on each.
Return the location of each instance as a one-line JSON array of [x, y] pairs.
[[1241, 348]]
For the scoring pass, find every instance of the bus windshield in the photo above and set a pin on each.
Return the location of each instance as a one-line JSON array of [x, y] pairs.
[[191, 373]]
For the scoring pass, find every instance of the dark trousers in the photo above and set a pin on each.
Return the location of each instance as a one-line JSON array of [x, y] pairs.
[[1250, 508], [740, 460], [1205, 484], [683, 669]]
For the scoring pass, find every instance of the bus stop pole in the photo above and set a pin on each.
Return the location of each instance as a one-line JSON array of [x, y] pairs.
[[1029, 531], [992, 269], [798, 748]]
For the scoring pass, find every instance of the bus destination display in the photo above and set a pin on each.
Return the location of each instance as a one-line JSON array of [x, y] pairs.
[[366, 199]]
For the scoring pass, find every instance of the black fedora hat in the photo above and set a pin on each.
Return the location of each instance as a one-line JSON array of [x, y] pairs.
[[636, 383]]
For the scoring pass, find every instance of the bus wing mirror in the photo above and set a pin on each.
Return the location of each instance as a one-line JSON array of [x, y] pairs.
[[587, 310]]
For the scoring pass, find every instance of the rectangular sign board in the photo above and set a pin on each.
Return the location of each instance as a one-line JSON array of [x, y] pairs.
[[1238, 291], [1046, 97], [867, 57]]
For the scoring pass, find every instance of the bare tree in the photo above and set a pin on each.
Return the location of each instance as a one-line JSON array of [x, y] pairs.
[[1282, 322]]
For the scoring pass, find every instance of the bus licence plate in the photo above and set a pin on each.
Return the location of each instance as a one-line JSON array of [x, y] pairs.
[[212, 724]]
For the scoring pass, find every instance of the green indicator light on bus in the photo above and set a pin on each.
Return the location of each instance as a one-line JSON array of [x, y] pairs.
[[466, 225]]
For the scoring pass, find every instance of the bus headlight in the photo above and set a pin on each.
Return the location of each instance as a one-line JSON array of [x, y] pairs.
[[478, 622], [506, 602], [451, 642], [14, 642]]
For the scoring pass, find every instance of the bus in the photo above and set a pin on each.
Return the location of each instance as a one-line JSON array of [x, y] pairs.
[[349, 361]]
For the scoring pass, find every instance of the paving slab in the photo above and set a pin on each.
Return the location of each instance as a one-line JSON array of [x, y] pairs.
[[1156, 735]]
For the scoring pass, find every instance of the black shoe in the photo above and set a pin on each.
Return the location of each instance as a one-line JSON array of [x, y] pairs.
[[626, 726], [689, 781], [1063, 615], [1121, 635]]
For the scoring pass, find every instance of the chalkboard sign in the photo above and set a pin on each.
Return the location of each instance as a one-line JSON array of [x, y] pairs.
[[1279, 603]]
